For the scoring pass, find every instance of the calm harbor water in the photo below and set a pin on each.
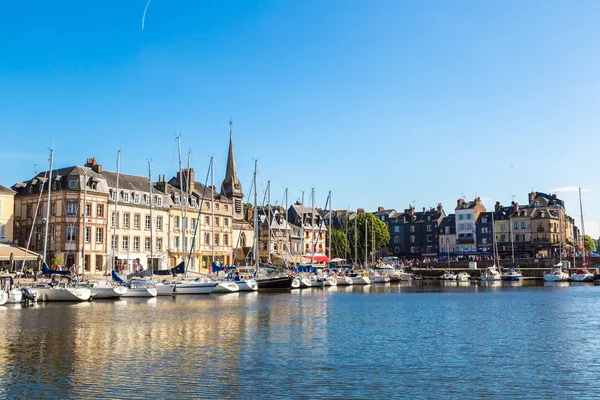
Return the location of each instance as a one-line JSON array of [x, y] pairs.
[[421, 340]]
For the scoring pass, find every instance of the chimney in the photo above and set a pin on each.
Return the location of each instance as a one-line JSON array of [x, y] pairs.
[[439, 207], [460, 202], [498, 206], [183, 183], [380, 209], [249, 213], [477, 200], [516, 207], [91, 163], [532, 197]]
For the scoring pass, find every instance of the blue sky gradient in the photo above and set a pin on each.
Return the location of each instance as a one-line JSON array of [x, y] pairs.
[[383, 102]]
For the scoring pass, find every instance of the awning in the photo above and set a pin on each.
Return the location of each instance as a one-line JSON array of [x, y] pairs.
[[18, 253]]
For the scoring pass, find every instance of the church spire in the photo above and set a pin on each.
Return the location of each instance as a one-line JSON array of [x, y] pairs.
[[231, 187]]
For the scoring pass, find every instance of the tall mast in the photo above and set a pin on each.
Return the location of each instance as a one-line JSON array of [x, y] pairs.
[[256, 251], [287, 232], [366, 242], [212, 208], [494, 248], [181, 201], [48, 206], [355, 240], [302, 230], [512, 240], [268, 220], [84, 220], [188, 186], [585, 258], [561, 236], [312, 223], [151, 220], [330, 227], [114, 241], [373, 244]]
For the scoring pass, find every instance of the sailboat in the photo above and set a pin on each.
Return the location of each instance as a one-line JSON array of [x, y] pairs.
[[137, 288], [56, 290], [557, 274], [582, 274], [492, 273]]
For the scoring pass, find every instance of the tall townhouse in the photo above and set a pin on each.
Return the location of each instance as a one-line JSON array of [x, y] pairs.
[[467, 213], [68, 238], [415, 234], [521, 230], [7, 211], [212, 212], [275, 226], [312, 229], [503, 228], [138, 224], [447, 236], [484, 232], [551, 227]]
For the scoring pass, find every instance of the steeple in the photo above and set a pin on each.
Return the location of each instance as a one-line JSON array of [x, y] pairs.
[[231, 187]]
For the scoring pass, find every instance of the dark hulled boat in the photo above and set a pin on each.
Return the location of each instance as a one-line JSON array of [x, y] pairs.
[[278, 283]]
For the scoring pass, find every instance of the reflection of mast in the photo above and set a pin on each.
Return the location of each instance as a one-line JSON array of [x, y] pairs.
[[585, 258], [151, 221], [114, 218]]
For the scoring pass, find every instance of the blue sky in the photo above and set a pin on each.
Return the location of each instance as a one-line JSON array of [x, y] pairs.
[[383, 102]]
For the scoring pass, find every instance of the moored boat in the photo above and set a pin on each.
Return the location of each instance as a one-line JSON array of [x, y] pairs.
[[512, 275], [463, 276], [556, 275], [276, 283], [48, 292], [226, 287], [582, 275], [106, 290]]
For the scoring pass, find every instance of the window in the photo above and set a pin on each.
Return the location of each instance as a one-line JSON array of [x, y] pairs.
[[159, 222], [159, 201], [412, 238], [461, 227], [226, 207], [470, 226], [159, 242], [29, 211], [429, 238], [126, 219], [176, 222], [396, 239], [147, 197], [469, 216], [216, 239], [136, 199], [177, 200], [125, 242], [447, 230], [52, 208], [225, 222], [516, 225], [502, 238], [461, 217], [483, 240], [112, 220], [429, 249], [71, 208], [194, 203], [137, 220], [396, 229], [176, 242], [484, 230], [71, 230], [412, 228], [225, 240], [428, 228], [88, 234], [148, 222], [216, 221], [502, 228], [147, 244], [113, 195], [207, 205], [125, 197], [136, 243], [100, 210], [194, 222], [382, 218], [99, 235], [216, 206], [206, 220], [207, 238], [72, 184], [396, 249], [413, 249], [523, 224], [115, 242]]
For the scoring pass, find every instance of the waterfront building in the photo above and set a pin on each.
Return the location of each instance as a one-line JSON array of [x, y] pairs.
[[447, 235], [415, 234], [521, 230], [310, 222], [552, 228], [484, 233], [135, 244], [67, 234], [274, 224], [7, 212], [467, 213], [339, 219], [204, 202], [502, 228]]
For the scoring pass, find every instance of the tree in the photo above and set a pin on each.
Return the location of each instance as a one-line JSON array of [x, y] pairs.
[[382, 236], [590, 244], [340, 246]]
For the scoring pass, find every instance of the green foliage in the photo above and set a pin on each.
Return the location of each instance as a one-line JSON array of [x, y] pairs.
[[590, 244], [340, 247], [57, 260], [356, 229]]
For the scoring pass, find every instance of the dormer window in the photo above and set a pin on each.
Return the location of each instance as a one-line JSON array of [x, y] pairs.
[[194, 204], [125, 197], [159, 201], [113, 195], [177, 200], [72, 184], [147, 197], [136, 198]]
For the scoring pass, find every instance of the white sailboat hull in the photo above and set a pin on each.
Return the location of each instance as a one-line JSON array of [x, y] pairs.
[[343, 280], [226, 287], [191, 287], [14, 296], [165, 289], [140, 292], [361, 280], [247, 286], [330, 281], [304, 282], [108, 292], [585, 277], [63, 294], [379, 279]]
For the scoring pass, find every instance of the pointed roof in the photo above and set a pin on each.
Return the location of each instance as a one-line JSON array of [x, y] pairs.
[[231, 184]]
